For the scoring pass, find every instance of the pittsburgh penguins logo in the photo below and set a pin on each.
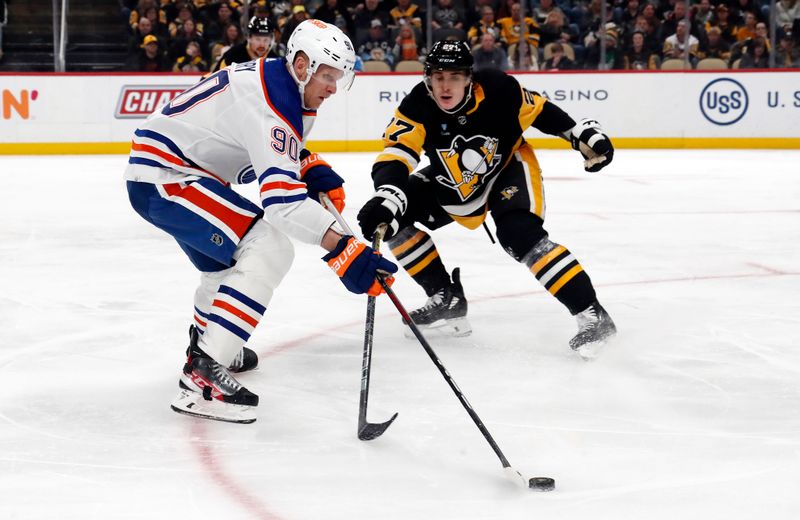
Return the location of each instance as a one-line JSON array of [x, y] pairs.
[[468, 162], [509, 192]]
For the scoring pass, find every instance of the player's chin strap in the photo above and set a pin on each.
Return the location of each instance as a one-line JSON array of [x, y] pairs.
[[461, 105], [301, 85]]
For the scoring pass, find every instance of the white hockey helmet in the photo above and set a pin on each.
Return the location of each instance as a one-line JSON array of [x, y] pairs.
[[324, 44]]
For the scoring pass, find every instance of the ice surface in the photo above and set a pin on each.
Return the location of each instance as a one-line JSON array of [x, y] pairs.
[[693, 413]]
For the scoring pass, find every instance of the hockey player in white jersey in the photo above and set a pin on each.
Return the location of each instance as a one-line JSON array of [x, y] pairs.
[[248, 122]]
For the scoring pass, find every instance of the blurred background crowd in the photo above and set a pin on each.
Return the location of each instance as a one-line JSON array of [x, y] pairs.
[[521, 35]]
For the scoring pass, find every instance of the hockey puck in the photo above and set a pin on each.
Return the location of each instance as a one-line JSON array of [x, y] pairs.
[[542, 484]]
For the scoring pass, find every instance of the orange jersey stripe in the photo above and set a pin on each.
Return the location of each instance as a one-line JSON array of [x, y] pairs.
[[177, 161], [236, 312], [281, 185], [238, 223]]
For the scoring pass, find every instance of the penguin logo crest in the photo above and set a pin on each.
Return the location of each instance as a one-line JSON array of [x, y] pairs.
[[468, 162]]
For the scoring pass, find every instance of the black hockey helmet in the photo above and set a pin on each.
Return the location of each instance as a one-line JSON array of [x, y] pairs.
[[449, 55], [262, 26]]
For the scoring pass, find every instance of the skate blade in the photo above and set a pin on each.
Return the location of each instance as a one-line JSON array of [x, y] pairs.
[[192, 403], [457, 328], [590, 351]]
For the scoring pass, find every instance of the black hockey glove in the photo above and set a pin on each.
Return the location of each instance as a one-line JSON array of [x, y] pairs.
[[588, 138], [387, 206]]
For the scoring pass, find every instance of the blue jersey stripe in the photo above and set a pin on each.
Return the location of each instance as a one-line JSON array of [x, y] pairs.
[[229, 326], [155, 136], [224, 289], [269, 201], [148, 162], [200, 313], [272, 170]]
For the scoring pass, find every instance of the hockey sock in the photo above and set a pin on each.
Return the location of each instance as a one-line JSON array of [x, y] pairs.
[[244, 291], [561, 274], [203, 296], [415, 251]]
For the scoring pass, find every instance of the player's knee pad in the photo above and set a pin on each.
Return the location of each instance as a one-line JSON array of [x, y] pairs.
[[518, 233], [264, 253]]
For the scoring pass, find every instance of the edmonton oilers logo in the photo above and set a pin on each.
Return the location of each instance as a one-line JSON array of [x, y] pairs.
[[723, 101]]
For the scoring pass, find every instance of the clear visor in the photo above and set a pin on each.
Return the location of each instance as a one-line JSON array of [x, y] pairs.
[[332, 77]]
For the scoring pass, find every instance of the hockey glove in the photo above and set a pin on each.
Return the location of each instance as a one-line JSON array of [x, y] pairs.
[[387, 206], [358, 265], [320, 178], [588, 138]]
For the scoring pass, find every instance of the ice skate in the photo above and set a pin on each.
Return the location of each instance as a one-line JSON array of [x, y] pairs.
[[208, 390], [445, 310], [595, 327], [245, 360]]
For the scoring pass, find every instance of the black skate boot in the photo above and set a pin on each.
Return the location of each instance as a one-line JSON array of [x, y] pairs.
[[208, 390], [595, 327], [245, 360], [445, 309]]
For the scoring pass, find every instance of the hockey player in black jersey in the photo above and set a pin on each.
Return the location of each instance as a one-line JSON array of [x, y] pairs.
[[260, 43], [470, 125]]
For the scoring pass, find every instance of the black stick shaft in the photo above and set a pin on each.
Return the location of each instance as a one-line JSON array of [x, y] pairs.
[[366, 359], [436, 361]]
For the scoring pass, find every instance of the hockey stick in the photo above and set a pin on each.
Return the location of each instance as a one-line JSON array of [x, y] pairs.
[[366, 430], [513, 474], [535, 483]]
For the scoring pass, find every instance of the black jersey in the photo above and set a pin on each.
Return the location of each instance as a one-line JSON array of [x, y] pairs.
[[467, 149], [239, 53]]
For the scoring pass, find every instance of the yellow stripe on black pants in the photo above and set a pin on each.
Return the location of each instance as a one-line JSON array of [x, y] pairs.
[[416, 253], [562, 275]]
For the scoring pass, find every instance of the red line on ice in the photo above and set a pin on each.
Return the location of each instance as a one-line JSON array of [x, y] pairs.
[[209, 460]]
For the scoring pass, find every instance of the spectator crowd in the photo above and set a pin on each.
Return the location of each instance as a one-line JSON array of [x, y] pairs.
[[195, 35]]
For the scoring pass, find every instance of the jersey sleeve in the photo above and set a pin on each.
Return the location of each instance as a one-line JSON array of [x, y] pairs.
[[274, 148], [402, 141], [547, 117], [531, 106]]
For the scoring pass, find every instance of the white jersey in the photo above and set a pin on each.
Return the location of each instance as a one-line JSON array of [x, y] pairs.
[[242, 123]]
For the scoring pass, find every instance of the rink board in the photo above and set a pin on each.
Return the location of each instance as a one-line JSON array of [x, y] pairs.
[[95, 113]]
